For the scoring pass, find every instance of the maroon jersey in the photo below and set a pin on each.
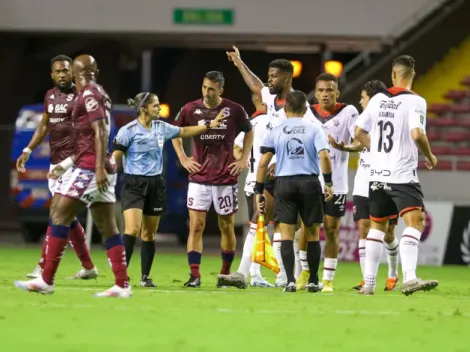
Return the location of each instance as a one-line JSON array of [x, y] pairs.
[[92, 104], [214, 149], [58, 106]]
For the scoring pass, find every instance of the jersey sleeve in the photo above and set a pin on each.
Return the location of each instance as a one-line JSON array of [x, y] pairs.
[[181, 119], [122, 141], [239, 140], [94, 105], [170, 131], [353, 116], [268, 144], [243, 119], [265, 95], [364, 121], [320, 139], [417, 116]]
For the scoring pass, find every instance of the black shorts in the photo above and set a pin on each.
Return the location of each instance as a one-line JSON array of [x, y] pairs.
[[389, 199], [144, 192], [361, 210], [299, 195], [335, 207], [249, 202], [269, 186]]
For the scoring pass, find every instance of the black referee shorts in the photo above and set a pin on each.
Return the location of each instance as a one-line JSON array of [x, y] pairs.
[[299, 195], [147, 193]]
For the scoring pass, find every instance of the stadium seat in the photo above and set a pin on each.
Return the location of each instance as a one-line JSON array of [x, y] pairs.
[[438, 108], [441, 165], [441, 150], [442, 122], [466, 81], [461, 151], [434, 135], [464, 122], [463, 165], [460, 108], [456, 94], [456, 136]]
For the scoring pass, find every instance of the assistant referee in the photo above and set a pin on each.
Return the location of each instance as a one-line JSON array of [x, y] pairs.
[[300, 146], [143, 194]]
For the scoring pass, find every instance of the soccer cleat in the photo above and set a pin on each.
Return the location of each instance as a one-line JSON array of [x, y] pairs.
[[193, 282], [313, 288], [145, 281], [115, 291], [237, 280], [302, 280], [86, 274], [410, 287], [290, 288], [36, 285], [391, 284], [259, 281], [358, 287], [367, 291], [281, 281], [35, 273], [327, 286]]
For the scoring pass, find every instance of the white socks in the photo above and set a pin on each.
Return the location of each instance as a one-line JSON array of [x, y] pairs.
[[409, 252], [362, 256], [298, 265], [245, 263], [329, 268], [374, 247], [277, 240], [392, 257]]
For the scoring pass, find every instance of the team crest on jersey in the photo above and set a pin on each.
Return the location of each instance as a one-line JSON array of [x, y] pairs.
[[198, 112], [52, 97], [91, 104], [87, 92]]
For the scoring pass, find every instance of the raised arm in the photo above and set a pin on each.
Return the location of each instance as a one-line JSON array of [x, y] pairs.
[[251, 80]]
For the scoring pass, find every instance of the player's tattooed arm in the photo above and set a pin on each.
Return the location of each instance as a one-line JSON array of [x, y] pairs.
[[261, 179], [237, 152], [251, 80], [39, 136], [363, 137], [353, 147], [422, 143]]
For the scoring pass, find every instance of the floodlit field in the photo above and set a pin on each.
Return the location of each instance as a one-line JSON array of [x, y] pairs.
[[173, 318]]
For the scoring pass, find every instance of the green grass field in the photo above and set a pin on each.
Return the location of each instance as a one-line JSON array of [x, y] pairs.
[[208, 319]]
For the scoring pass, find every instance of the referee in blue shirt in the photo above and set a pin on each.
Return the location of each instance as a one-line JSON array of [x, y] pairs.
[[138, 148], [300, 146]]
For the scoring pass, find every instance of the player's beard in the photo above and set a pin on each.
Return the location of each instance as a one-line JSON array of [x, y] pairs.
[[64, 88], [276, 90]]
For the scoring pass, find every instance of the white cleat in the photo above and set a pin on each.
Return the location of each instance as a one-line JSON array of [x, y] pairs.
[[115, 291], [259, 281], [281, 281], [86, 274], [36, 285], [37, 272]]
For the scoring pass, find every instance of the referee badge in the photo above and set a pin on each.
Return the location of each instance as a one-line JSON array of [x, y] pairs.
[[160, 141]]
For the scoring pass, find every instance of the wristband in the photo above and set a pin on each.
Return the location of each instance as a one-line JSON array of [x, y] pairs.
[[207, 123], [327, 178], [27, 151], [67, 163], [259, 188]]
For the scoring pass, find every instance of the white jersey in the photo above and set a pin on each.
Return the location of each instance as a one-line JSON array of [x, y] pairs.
[[361, 181], [340, 125], [260, 129], [389, 118]]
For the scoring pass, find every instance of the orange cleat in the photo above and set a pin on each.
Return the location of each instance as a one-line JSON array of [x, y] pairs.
[[359, 287], [391, 284]]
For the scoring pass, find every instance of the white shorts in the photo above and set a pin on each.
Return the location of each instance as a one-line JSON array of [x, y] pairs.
[[225, 198], [81, 185], [55, 184]]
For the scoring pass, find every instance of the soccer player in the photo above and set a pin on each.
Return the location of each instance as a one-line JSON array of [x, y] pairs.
[[338, 121], [361, 198], [393, 127], [298, 145], [91, 184], [213, 169], [238, 279], [57, 122], [144, 189], [280, 73]]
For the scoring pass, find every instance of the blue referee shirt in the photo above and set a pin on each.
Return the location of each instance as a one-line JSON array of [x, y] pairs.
[[143, 147], [296, 143]]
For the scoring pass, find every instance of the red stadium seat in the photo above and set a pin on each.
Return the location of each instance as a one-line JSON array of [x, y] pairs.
[[434, 136], [460, 108], [461, 151], [442, 122], [441, 150], [464, 122], [456, 94], [441, 165], [463, 165], [456, 137], [438, 108], [466, 81]]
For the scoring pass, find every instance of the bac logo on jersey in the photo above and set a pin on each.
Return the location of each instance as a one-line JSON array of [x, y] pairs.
[[57, 108]]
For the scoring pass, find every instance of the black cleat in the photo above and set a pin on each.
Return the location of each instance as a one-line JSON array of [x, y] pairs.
[[193, 282], [290, 287], [220, 283], [313, 288], [147, 282]]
